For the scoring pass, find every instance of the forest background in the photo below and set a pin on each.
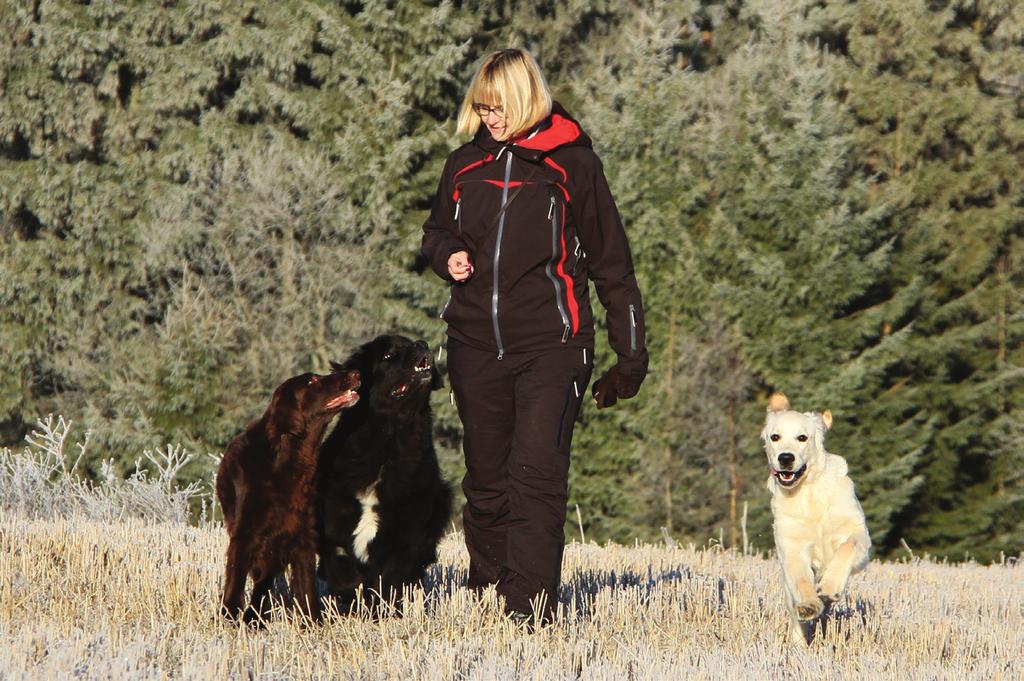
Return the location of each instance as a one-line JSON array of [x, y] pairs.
[[199, 199]]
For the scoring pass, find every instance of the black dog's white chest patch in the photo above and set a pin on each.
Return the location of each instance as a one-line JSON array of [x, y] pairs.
[[369, 522]]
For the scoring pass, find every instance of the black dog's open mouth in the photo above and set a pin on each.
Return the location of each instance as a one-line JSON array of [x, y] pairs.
[[789, 478], [421, 374], [423, 371]]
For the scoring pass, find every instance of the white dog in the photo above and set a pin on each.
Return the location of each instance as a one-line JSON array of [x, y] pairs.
[[820, 532]]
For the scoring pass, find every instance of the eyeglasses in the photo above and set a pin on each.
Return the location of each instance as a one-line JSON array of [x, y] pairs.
[[483, 111]]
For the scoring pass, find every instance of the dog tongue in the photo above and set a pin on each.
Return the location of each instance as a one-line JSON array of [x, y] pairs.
[[341, 399]]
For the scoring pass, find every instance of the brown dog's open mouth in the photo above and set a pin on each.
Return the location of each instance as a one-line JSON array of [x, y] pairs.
[[789, 478], [345, 399]]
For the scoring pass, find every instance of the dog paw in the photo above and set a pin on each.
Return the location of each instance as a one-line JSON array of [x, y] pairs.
[[829, 592], [231, 613], [828, 597], [809, 610], [254, 619]]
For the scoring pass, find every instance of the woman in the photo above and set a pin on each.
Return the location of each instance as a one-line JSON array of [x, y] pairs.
[[522, 219]]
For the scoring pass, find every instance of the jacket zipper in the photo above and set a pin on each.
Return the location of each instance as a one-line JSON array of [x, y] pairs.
[[497, 256], [632, 330], [440, 345], [578, 254], [551, 275], [458, 222]]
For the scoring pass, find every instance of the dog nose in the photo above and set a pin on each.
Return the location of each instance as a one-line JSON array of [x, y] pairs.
[[786, 459]]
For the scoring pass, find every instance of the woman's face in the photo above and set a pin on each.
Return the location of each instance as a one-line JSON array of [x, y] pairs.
[[492, 116]]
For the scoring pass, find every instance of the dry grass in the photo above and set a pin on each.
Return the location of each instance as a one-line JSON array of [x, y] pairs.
[[136, 600]]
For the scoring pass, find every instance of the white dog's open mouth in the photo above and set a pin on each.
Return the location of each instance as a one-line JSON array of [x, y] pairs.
[[789, 478]]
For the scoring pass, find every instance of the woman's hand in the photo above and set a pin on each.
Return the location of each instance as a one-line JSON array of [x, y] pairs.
[[459, 266], [616, 384]]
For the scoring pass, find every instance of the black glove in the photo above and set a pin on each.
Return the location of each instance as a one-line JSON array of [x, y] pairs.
[[614, 384]]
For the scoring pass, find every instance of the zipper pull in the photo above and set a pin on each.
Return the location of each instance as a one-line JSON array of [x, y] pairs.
[[551, 210], [565, 334], [457, 204], [451, 397], [576, 388], [584, 357], [501, 353], [632, 330]]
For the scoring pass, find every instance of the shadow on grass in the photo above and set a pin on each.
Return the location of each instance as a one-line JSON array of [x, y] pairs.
[[443, 580], [837, 617], [577, 592]]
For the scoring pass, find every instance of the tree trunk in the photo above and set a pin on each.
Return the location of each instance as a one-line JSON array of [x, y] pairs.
[[733, 479], [669, 378]]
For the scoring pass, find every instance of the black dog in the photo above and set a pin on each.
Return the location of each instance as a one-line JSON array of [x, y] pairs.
[[383, 504]]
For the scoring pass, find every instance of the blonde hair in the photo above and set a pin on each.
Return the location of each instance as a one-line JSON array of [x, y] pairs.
[[510, 79]]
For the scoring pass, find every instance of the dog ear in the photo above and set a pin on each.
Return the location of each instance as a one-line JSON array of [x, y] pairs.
[[436, 379], [358, 360], [362, 360], [778, 402], [826, 418], [282, 413]]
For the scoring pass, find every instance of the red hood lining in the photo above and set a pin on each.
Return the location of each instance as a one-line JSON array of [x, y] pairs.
[[561, 131]]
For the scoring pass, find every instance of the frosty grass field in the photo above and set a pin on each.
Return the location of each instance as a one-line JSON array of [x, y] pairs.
[[107, 579], [137, 600]]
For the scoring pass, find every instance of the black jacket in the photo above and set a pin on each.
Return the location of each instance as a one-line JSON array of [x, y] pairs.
[[529, 289]]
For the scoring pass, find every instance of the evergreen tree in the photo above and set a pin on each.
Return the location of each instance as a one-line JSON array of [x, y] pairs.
[[755, 250], [795, 244], [229, 193], [198, 199], [634, 470], [936, 90]]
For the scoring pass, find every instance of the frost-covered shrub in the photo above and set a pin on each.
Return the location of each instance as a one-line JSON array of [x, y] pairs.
[[44, 481]]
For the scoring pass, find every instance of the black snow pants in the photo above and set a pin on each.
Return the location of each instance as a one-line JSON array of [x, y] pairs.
[[518, 415]]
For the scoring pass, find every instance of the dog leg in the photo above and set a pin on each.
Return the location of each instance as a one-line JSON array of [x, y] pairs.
[[837, 573], [234, 579], [258, 611], [259, 603], [810, 606], [800, 584], [339, 570], [799, 632], [402, 571], [304, 586]]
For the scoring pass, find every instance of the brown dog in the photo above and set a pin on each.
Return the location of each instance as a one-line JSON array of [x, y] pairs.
[[265, 485]]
